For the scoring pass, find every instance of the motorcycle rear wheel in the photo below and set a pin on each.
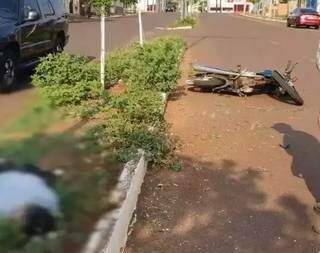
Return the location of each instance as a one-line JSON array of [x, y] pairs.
[[289, 89], [208, 83]]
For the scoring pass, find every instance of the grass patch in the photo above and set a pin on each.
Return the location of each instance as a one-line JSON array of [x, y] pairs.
[[35, 117], [89, 174]]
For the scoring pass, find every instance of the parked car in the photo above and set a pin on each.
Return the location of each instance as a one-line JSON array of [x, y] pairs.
[[170, 8], [29, 29], [307, 17]]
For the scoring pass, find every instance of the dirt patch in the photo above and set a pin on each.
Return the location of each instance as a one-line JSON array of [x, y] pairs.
[[119, 88], [12, 104], [241, 188]]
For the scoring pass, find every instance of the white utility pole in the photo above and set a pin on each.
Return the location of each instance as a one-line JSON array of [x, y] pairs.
[[270, 8], [183, 9], [140, 23], [318, 57], [103, 48]]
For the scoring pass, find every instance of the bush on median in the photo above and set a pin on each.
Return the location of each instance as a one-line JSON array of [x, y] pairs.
[[67, 80], [187, 21], [139, 106], [156, 65], [73, 81]]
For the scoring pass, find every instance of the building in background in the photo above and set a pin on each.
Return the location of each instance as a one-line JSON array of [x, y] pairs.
[[229, 6], [314, 4], [82, 7], [282, 8], [149, 5]]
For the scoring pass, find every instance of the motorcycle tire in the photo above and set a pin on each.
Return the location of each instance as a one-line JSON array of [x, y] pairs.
[[289, 89], [210, 83]]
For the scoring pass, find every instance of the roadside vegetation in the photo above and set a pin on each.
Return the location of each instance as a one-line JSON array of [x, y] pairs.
[[187, 21], [86, 133]]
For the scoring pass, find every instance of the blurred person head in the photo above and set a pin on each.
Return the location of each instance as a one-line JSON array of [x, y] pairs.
[[25, 195]]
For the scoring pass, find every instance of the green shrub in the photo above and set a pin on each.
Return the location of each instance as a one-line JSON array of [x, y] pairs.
[[126, 137], [64, 69], [153, 141], [156, 65], [135, 117], [139, 106], [65, 95], [187, 21], [116, 64], [67, 80], [70, 80]]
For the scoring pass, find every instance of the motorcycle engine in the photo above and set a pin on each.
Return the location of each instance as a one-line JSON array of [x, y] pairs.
[[246, 85]]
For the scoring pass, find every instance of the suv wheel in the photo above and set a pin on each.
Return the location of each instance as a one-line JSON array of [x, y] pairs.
[[8, 71]]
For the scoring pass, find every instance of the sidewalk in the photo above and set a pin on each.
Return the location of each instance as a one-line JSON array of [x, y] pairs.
[[249, 15]]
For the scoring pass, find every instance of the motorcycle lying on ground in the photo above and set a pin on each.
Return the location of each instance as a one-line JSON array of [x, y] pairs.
[[244, 83]]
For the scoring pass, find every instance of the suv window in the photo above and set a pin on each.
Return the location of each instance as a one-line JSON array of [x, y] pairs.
[[30, 5], [8, 9], [46, 7]]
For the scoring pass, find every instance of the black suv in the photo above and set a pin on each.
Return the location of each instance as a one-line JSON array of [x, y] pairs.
[[29, 29]]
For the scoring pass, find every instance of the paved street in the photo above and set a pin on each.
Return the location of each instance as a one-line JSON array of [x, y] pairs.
[[85, 40], [85, 36], [250, 165]]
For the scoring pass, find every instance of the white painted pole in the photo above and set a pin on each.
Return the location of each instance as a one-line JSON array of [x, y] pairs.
[[270, 8], [140, 24], [318, 57], [103, 48]]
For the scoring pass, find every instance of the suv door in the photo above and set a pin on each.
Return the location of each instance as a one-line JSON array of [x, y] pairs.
[[48, 23], [31, 41]]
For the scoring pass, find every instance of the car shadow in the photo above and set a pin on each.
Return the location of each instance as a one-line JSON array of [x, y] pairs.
[[24, 79]]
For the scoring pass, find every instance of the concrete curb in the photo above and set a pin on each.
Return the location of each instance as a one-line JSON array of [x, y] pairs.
[[264, 18], [165, 101], [174, 28], [111, 231]]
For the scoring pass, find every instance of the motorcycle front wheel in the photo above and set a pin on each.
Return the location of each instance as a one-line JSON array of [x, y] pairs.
[[287, 87]]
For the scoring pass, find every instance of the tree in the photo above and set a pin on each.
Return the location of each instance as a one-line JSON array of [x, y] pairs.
[[100, 4], [127, 3]]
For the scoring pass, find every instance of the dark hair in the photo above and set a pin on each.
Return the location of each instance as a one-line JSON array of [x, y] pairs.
[[37, 220]]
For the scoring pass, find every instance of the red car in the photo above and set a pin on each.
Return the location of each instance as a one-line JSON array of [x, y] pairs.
[[307, 17]]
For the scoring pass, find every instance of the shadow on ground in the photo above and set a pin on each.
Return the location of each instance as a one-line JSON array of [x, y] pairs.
[[23, 80], [217, 208], [305, 152]]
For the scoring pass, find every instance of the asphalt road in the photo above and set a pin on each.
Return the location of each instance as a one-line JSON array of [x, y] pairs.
[[85, 36], [85, 40], [250, 171]]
